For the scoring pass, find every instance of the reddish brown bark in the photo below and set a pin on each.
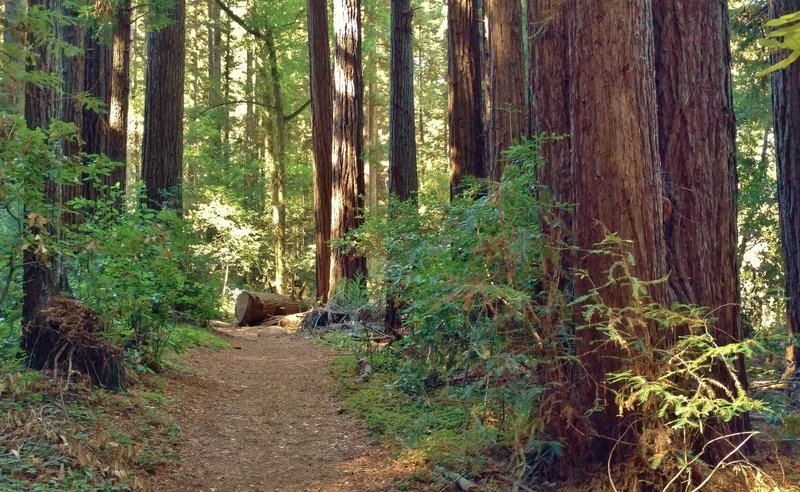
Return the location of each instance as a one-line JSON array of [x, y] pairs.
[[97, 82], [466, 135], [347, 202], [508, 119], [698, 156], [786, 111], [403, 182], [322, 125], [162, 142]]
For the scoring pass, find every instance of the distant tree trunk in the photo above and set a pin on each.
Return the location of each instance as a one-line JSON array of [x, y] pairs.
[[277, 149], [616, 183], [120, 92], [348, 141], [41, 278], [214, 53], [508, 120], [465, 101], [72, 76], [698, 158], [403, 183], [786, 113], [97, 82], [322, 125], [162, 146]]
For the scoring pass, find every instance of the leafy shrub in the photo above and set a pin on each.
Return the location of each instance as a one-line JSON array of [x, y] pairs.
[[488, 310]]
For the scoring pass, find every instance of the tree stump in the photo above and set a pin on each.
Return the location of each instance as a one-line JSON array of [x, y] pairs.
[[63, 336]]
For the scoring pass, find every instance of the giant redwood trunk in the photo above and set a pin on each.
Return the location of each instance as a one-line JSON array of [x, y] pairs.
[[162, 142], [321, 125], [508, 120], [403, 183], [466, 137], [786, 114], [592, 77], [697, 146], [348, 141], [276, 148]]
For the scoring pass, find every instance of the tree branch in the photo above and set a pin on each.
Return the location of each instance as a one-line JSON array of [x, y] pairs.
[[235, 18], [289, 117], [228, 103]]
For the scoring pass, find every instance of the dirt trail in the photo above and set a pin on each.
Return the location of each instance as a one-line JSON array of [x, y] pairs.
[[261, 417]]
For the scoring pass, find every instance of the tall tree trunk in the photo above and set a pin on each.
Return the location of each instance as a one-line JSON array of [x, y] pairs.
[[277, 149], [321, 125], [786, 114], [615, 184], [348, 141], [40, 277], [97, 82], [508, 120], [214, 53], [162, 146], [120, 92], [72, 76], [403, 184], [465, 101], [698, 158]]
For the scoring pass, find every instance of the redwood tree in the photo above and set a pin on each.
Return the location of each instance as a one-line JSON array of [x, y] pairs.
[[41, 278], [786, 114], [507, 120], [696, 131], [348, 141], [465, 102], [321, 124], [120, 90], [162, 141], [403, 184]]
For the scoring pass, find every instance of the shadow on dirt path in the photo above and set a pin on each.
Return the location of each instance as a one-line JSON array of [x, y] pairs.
[[261, 417]]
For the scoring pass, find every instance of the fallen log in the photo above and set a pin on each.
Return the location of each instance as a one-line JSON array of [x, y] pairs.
[[254, 307]]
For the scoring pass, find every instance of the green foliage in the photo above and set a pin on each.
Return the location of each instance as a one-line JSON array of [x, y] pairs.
[[490, 325], [168, 281]]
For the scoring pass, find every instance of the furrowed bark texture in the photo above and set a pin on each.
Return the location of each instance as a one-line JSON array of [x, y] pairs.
[[403, 182], [347, 202], [508, 120], [321, 124], [39, 277], [616, 185], [97, 82], [162, 145], [786, 114], [466, 137], [698, 158]]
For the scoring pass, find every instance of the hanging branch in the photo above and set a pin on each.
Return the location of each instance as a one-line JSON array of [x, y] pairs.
[[286, 118]]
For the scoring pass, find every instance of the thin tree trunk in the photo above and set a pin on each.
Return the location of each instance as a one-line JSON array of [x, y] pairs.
[[120, 92], [348, 141], [403, 183], [508, 120], [322, 125], [162, 146], [277, 150], [786, 114], [465, 101]]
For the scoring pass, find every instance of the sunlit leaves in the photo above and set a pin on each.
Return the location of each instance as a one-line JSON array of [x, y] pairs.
[[785, 36]]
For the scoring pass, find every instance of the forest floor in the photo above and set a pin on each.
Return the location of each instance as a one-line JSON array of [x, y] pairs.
[[262, 417]]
